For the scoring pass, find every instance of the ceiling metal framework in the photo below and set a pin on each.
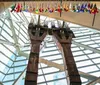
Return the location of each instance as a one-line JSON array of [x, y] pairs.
[[15, 48]]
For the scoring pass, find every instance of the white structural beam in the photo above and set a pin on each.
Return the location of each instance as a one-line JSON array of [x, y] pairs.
[[86, 47], [11, 43], [13, 31], [94, 81], [7, 42], [88, 76], [24, 54], [50, 63]]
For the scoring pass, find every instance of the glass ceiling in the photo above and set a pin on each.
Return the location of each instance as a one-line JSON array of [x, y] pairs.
[[15, 48]]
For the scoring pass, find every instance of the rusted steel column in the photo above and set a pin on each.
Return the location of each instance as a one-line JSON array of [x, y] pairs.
[[36, 37], [64, 37]]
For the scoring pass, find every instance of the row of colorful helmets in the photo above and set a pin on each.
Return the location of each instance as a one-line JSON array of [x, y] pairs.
[[55, 7]]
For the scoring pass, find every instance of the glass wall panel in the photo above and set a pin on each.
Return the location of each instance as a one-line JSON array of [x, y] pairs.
[[1, 76], [5, 59], [3, 68]]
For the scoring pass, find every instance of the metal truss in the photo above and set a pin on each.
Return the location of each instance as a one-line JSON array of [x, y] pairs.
[[93, 79], [7, 42], [13, 32]]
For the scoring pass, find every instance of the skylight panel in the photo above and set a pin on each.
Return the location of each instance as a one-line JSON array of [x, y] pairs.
[[87, 51], [41, 79], [8, 77], [89, 69], [15, 16], [96, 74], [94, 55], [7, 36], [42, 84], [54, 76], [84, 63], [5, 27], [3, 49], [94, 46], [97, 60], [58, 82], [84, 57], [3, 68], [8, 83], [82, 40], [77, 53], [5, 60], [75, 49], [58, 61], [41, 65], [89, 42], [0, 30], [49, 53], [1, 76], [1, 23], [40, 72], [50, 69], [53, 57]]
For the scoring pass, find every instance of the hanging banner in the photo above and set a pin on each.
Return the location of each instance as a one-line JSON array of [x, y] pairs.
[[55, 7]]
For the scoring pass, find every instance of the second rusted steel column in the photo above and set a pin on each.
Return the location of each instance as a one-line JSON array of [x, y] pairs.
[[64, 37], [36, 37], [73, 75]]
